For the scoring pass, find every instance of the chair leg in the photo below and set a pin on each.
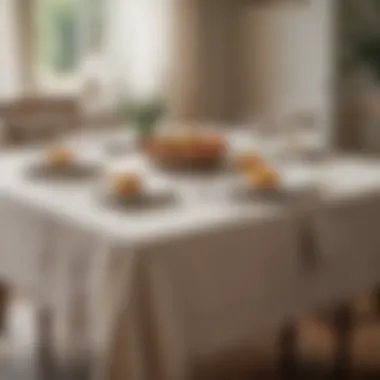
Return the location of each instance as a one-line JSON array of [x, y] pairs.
[[343, 328], [376, 301], [46, 363], [288, 365], [80, 370], [4, 300]]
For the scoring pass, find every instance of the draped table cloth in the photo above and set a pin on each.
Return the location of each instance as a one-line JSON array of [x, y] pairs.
[[149, 292]]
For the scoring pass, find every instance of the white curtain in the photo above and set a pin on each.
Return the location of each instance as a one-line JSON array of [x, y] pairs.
[[137, 52], [293, 70], [9, 69]]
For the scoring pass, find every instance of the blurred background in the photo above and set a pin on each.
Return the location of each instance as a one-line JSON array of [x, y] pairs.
[[218, 60], [68, 64]]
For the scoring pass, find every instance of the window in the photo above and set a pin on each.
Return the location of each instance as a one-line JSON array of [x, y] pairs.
[[68, 30]]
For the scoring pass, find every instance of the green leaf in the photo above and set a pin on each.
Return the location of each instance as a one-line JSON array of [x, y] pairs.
[[145, 116]]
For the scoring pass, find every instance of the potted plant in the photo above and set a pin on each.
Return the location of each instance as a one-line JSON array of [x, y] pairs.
[[145, 117]]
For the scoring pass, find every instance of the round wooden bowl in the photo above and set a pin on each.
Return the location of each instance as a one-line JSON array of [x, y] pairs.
[[199, 156]]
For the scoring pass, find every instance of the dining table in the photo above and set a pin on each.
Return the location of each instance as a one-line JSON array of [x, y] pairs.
[[148, 291]]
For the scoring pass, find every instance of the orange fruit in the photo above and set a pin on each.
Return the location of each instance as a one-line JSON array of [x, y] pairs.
[[59, 157], [249, 161], [263, 178], [127, 184]]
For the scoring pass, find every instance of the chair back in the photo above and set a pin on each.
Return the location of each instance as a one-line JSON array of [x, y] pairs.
[[37, 119]]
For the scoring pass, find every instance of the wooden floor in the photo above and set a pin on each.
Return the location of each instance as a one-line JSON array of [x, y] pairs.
[[316, 346], [316, 350]]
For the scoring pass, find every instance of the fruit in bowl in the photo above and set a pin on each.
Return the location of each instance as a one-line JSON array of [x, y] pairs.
[[263, 178], [212, 145], [163, 147], [127, 184], [59, 157], [192, 148], [248, 161]]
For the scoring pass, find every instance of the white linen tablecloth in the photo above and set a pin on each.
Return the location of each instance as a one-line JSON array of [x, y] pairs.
[[196, 295], [158, 288]]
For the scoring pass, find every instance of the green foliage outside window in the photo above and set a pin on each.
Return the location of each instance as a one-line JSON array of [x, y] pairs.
[[359, 29], [59, 34]]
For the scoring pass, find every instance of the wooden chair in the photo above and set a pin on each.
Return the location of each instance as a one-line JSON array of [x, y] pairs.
[[4, 298], [27, 121], [36, 119]]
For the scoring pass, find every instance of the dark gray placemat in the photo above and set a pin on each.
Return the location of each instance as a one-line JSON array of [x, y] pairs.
[[77, 172]]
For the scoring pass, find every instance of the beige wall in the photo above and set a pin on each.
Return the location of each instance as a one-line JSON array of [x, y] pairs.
[[260, 74], [185, 80], [206, 56], [27, 43], [239, 62], [219, 60], [289, 58], [289, 62], [9, 73]]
